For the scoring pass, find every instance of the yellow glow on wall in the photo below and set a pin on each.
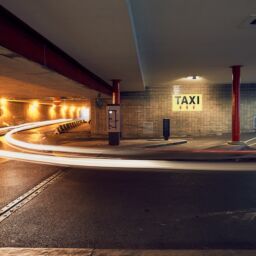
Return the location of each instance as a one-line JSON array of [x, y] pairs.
[[52, 112], [72, 111], [4, 111], [3, 101], [85, 113], [33, 110], [35, 104], [78, 110], [63, 111]]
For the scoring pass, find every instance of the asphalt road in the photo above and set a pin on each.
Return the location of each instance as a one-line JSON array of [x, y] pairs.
[[105, 209], [128, 210]]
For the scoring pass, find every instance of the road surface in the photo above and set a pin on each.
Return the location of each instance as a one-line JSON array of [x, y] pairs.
[[136, 209]]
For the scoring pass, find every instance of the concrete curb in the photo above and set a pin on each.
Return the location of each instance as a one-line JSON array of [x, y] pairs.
[[116, 252]]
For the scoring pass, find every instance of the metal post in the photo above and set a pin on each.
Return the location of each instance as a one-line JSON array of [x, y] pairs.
[[236, 104]]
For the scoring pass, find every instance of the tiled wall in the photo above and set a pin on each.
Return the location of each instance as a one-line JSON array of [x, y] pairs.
[[143, 112]]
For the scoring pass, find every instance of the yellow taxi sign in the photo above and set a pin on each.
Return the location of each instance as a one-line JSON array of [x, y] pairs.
[[187, 102]]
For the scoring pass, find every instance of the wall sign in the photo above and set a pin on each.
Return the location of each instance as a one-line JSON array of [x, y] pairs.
[[187, 102]]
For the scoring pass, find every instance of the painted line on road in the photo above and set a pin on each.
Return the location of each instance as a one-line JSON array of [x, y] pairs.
[[16, 204]]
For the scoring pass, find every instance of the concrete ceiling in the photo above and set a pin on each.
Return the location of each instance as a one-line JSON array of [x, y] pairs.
[[20, 78], [173, 38], [97, 33], [180, 38]]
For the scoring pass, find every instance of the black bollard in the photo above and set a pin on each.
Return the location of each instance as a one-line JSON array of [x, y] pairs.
[[166, 128]]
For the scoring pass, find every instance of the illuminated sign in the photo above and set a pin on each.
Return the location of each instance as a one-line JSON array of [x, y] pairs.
[[187, 102]]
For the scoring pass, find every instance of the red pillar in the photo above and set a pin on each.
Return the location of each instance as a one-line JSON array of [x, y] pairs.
[[236, 103], [116, 91]]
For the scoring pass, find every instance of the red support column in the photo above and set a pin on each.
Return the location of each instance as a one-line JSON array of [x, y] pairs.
[[116, 91], [236, 103]]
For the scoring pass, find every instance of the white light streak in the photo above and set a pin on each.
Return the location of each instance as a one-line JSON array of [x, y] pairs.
[[107, 163], [122, 164], [39, 147]]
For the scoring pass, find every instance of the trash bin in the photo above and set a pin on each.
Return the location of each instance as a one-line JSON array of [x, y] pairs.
[[166, 128]]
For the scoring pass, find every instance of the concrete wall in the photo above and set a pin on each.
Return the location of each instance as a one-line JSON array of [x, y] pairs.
[[13, 113], [142, 112]]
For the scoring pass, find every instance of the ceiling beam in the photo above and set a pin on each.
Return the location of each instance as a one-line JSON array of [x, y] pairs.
[[18, 37]]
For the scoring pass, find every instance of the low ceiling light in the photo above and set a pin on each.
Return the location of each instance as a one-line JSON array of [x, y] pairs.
[[194, 77]]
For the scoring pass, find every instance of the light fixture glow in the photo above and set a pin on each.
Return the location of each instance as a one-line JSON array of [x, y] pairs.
[[72, 109], [194, 77], [63, 110], [33, 111], [52, 111], [5, 113], [3, 101], [78, 111], [35, 104], [64, 107]]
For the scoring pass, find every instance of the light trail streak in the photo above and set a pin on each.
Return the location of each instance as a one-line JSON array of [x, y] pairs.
[[123, 164], [8, 128], [108, 163], [31, 125], [28, 126], [39, 147], [81, 150]]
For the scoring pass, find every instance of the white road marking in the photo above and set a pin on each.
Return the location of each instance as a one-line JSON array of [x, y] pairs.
[[16, 204]]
